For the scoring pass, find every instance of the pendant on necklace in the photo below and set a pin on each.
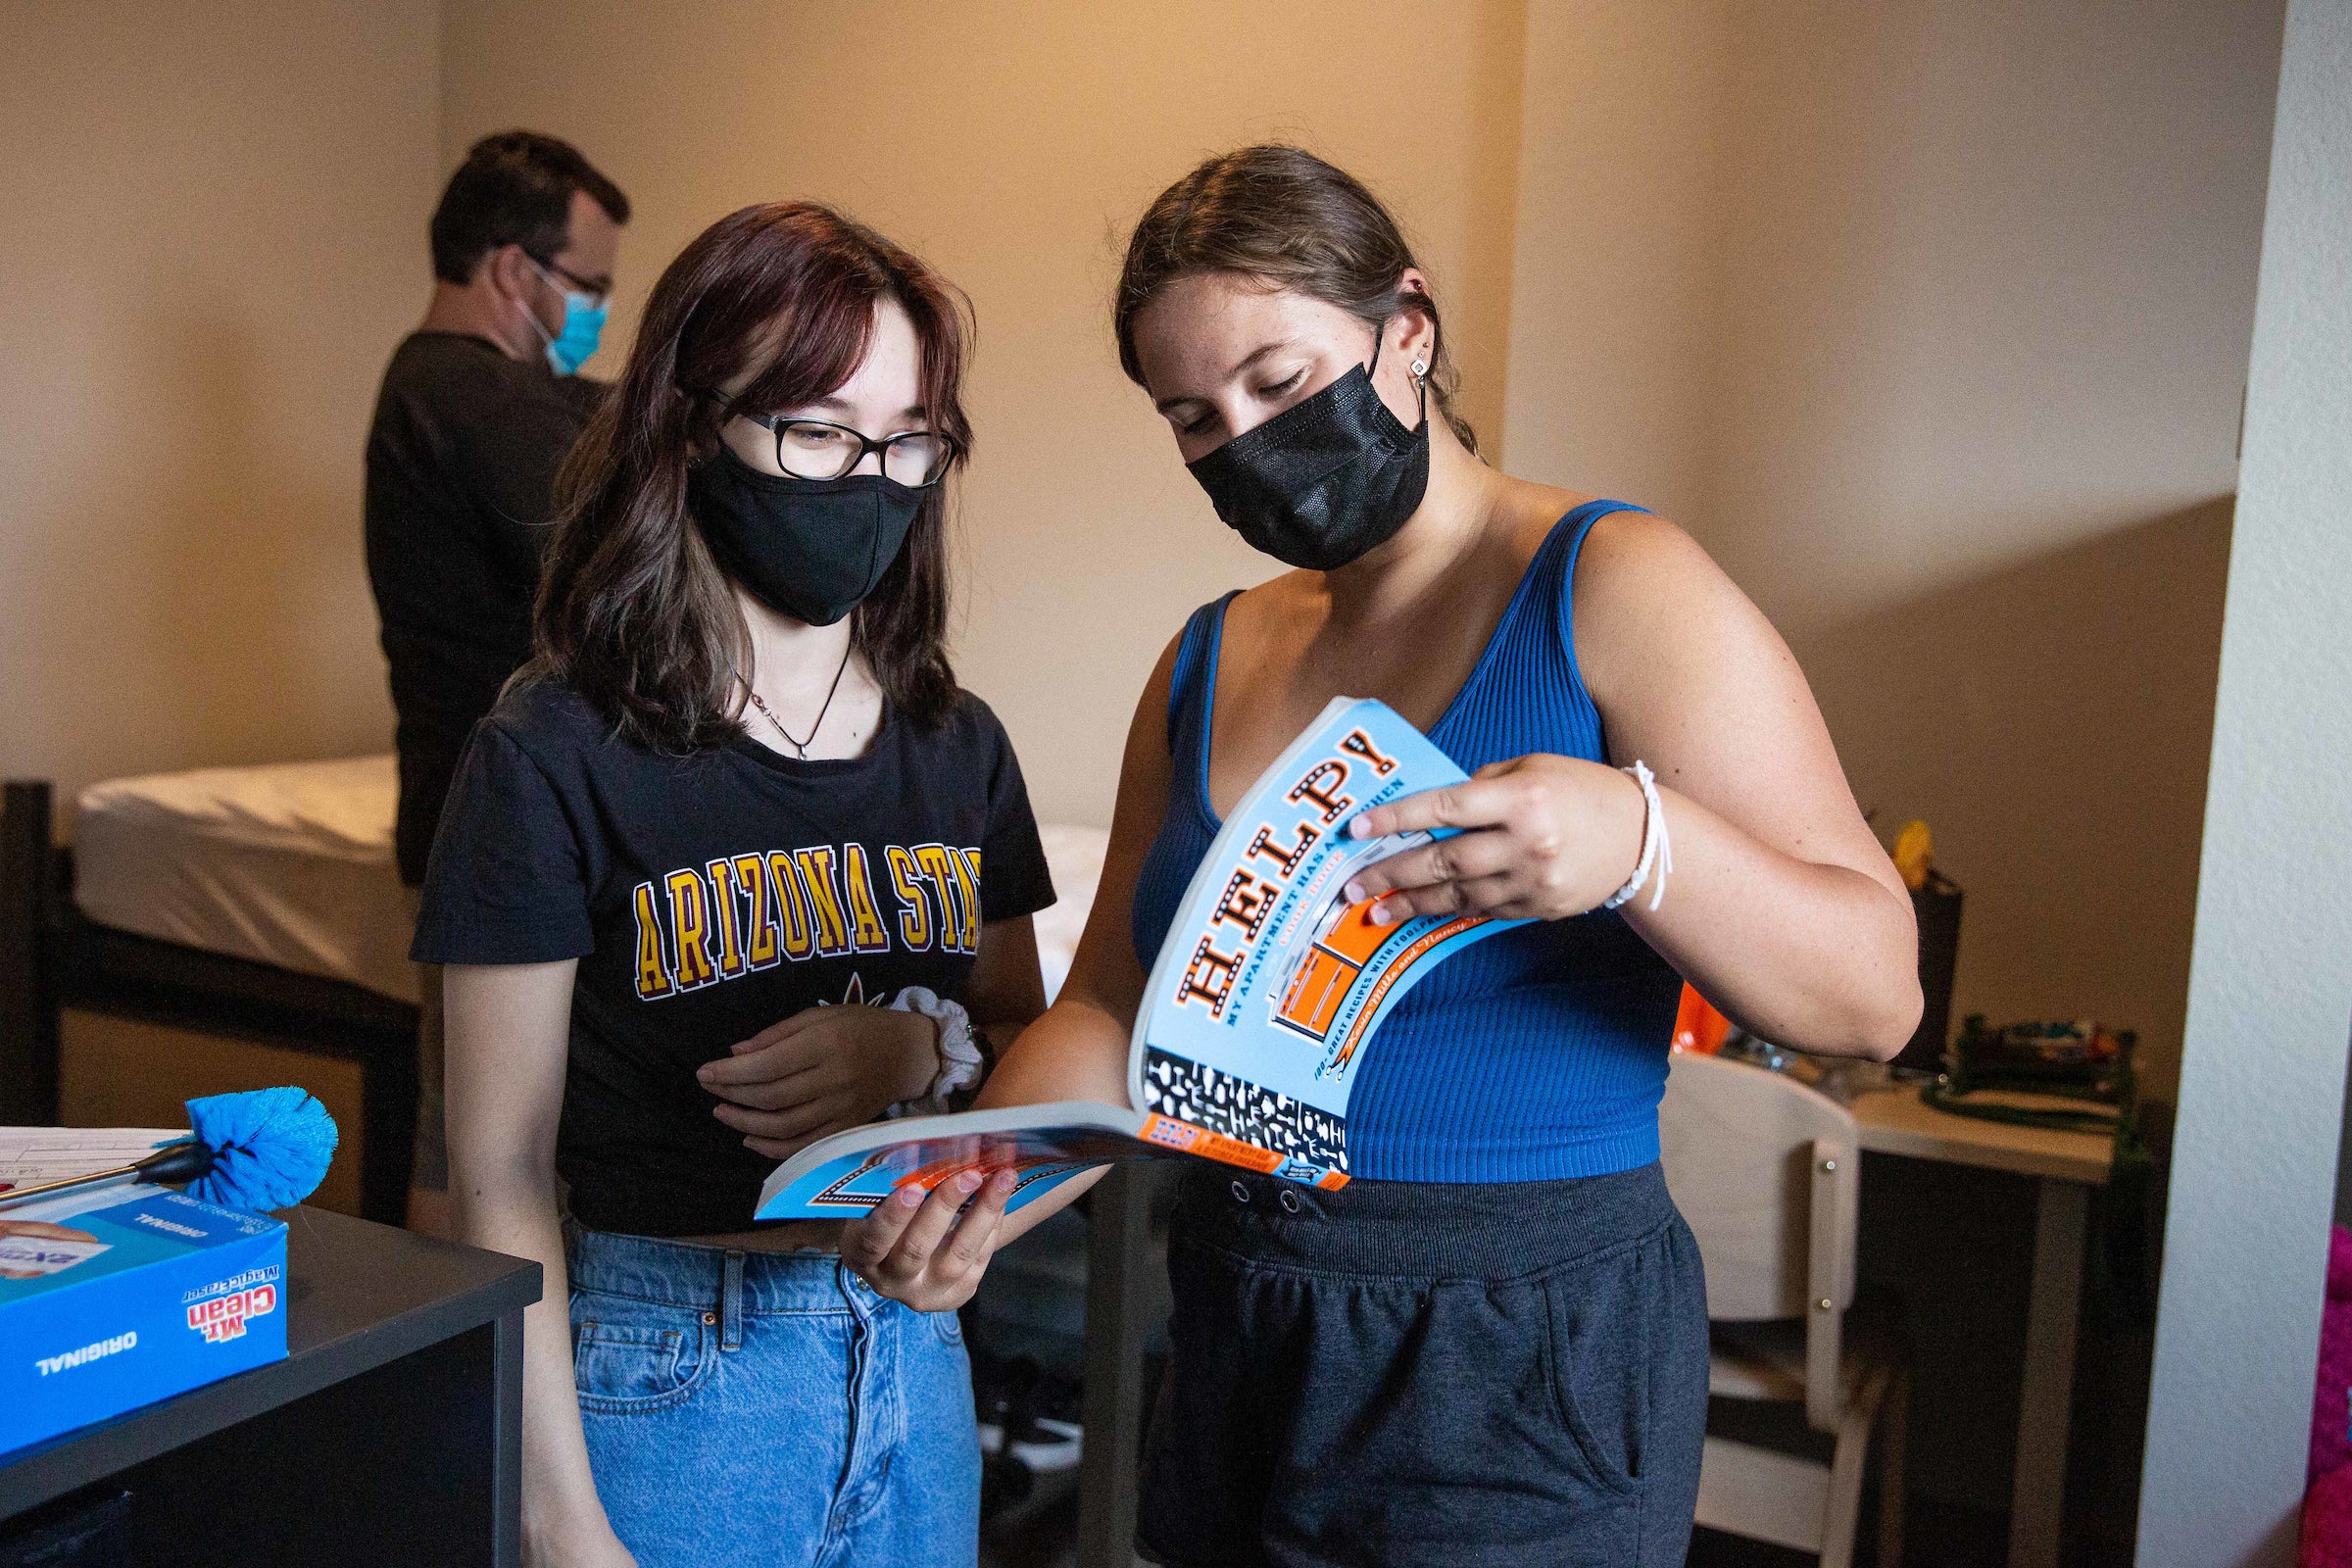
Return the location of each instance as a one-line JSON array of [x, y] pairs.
[[800, 747]]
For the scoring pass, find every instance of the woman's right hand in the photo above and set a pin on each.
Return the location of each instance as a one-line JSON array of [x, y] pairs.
[[916, 1250], [820, 1071]]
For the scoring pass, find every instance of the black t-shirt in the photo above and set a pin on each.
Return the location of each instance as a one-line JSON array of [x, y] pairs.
[[462, 460], [708, 897]]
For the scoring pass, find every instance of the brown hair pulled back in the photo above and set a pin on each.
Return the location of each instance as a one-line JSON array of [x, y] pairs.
[[632, 610], [1285, 216]]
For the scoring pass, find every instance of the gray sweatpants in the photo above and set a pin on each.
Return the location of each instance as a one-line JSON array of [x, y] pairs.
[[1416, 1373]]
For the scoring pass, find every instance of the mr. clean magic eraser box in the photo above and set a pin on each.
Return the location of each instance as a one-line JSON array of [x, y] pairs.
[[112, 1308]]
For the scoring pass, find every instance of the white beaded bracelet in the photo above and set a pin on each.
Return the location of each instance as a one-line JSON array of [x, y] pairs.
[[1657, 850], [960, 1064]]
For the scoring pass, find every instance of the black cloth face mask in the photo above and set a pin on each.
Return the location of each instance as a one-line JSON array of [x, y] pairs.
[[1326, 479], [811, 549]]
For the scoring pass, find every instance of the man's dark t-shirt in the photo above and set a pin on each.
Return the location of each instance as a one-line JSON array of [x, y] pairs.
[[708, 897], [461, 459]]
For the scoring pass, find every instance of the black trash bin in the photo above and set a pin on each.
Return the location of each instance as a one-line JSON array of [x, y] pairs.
[[1936, 904]]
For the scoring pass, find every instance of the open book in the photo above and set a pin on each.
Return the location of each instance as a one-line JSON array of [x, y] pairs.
[[1256, 1016]]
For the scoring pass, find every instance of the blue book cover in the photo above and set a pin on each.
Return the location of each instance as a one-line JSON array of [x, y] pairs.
[[1258, 1013]]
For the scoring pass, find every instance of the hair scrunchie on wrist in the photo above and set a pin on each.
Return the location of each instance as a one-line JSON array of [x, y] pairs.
[[960, 1062]]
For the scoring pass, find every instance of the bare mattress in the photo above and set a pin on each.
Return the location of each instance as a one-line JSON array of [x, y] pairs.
[[288, 865]]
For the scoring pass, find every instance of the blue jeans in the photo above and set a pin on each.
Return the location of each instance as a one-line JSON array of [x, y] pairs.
[[768, 1408]]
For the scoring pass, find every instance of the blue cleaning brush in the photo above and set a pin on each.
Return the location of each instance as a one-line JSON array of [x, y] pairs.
[[260, 1150], [270, 1146]]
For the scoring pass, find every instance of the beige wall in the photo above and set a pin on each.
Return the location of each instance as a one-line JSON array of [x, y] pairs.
[[214, 231], [1011, 144], [1930, 322]]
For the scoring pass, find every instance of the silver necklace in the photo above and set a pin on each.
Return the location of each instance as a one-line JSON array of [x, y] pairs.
[[800, 747]]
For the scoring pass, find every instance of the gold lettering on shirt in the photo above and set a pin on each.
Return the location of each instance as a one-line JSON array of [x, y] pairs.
[[945, 871], [915, 913], [824, 899], [688, 924], [740, 913], [724, 917], [653, 971], [759, 925], [867, 931], [792, 905], [970, 882]]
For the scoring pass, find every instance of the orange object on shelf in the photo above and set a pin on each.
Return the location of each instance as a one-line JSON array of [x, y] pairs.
[[1698, 1026]]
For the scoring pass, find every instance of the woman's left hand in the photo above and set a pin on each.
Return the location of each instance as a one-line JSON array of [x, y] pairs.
[[930, 1252], [1543, 838], [820, 1071]]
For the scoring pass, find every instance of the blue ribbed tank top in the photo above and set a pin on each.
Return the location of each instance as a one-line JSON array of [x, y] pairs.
[[1534, 1055]]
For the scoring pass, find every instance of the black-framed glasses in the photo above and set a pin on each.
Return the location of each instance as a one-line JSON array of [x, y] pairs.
[[601, 290], [818, 449]]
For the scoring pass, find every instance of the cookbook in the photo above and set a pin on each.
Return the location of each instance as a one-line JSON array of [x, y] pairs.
[[1261, 1005]]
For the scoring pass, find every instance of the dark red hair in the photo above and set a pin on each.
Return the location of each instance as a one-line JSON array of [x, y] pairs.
[[632, 610]]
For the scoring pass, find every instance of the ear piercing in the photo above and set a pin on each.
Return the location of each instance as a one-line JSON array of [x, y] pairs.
[[1420, 370]]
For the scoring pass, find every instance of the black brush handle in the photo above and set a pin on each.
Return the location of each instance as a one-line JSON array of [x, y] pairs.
[[182, 1162]]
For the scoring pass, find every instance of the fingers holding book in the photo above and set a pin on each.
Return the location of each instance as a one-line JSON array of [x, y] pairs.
[[1535, 838], [929, 1251], [1466, 873]]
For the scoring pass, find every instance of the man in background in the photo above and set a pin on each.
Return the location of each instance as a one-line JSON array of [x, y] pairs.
[[479, 409]]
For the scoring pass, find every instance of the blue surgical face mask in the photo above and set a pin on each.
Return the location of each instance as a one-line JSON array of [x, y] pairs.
[[583, 324]]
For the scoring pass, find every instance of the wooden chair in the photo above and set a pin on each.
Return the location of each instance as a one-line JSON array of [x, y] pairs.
[[1765, 1170]]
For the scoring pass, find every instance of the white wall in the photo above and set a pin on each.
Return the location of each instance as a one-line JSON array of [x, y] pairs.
[[1013, 144], [2271, 986], [1930, 323], [215, 232]]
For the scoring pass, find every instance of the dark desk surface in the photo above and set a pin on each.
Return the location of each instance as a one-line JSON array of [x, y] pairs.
[[358, 1295]]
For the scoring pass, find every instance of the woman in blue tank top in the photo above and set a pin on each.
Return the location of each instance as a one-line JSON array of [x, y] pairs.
[[1491, 1347]]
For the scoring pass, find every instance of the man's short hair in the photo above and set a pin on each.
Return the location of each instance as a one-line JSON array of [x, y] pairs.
[[514, 188]]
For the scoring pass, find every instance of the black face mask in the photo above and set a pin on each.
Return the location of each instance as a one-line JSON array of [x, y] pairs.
[[811, 549], [1326, 479]]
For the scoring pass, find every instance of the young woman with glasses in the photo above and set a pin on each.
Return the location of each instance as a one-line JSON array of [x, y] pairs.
[[1491, 1346], [734, 864]]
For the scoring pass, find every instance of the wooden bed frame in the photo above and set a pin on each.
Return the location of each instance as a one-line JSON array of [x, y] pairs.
[[53, 957]]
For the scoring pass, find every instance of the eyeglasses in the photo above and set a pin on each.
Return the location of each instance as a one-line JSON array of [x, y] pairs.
[[598, 290], [813, 449]]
